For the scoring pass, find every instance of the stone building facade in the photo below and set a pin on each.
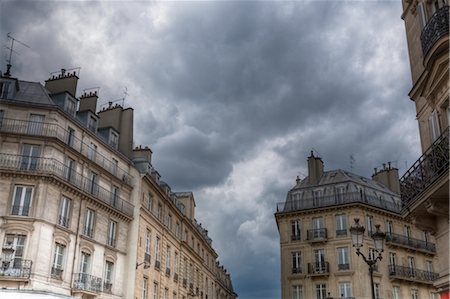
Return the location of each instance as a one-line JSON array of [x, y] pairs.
[[317, 257], [425, 186], [72, 219]]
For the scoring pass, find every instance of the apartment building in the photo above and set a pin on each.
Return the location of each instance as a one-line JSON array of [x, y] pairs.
[[425, 186], [317, 257], [73, 219]]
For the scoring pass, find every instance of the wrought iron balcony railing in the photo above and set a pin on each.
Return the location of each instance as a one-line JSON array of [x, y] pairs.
[[54, 167], [341, 232], [319, 234], [107, 287], [436, 27], [86, 282], [332, 200], [319, 268], [343, 267], [17, 126], [57, 273], [295, 237], [412, 274], [426, 170], [17, 268], [296, 270], [412, 243]]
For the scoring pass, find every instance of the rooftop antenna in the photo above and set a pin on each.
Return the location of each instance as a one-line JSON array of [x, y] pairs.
[[352, 162], [9, 60], [125, 93]]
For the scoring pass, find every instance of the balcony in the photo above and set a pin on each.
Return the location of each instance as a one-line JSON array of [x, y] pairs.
[[296, 270], [412, 274], [410, 243], [17, 269], [319, 269], [436, 28], [341, 232], [317, 235], [157, 264], [57, 273], [175, 277], [86, 282], [53, 167], [107, 287], [332, 200], [343, 267], [426, 170], [296, 237], [41, 129]]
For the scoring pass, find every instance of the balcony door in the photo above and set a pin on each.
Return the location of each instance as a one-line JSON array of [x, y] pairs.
[[30, 156], [36, 124], [319, 257], [13, 267]]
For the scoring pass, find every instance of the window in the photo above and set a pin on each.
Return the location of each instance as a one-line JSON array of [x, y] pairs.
[[434, 295], [318, 231], [370, 225], [58, 258], [93, 185], [425, 236], [112, 227], [155, 290], [16, 242], [30, 156], [321, 291], [114, 166], [85, 262], [157, 257], [22, 200], [407, 231], [421, 14], [377, 290], [396, 292], [36, 124], [166, 293], [392, 258], [411, 266], [70, 136], [341, 225], [343, 261], [64, 211], [296, 262], [168, 260], [150, 202], [345, 289], [92, 123], [319, 257], [429, 266], [89, 223], [340, 194], [169, 222], [144, 288], [433, 123], [115, 196], [414, 294], [5, 90], [175, 263], [92, 153], [107, 282], [389, 227], [69, 169], [296, 229], [297, 292], [113, 139], [70, 106], [159, 212], [148, 238], [177, 229], [317, 195]]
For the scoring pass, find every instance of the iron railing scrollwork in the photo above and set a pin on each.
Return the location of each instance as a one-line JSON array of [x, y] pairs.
[[410, 242], [409, 273], [424, 172], [18, 268], [437, 26], [86, 282]]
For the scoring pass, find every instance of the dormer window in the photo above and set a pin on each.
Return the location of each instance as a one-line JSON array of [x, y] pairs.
[[92, 123], [113, 139], [70, 106], [7, 88]]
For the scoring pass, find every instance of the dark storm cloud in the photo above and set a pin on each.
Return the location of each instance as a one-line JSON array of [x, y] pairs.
[[232, 96]]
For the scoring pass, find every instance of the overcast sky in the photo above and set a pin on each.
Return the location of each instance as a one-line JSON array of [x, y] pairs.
[[232, 96]]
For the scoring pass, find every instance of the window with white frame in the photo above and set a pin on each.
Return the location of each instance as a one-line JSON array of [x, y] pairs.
[[16, 242], [370, 225], [376, 288], [70, 136], [58, 260], [396, 292], [89, 223], [64, 211], [69, 169], [166, 293], [92, 123], [144, 294], [168, 259], [414, 294], [155, 290], [70, 106], [177, 230], [297, 292], [149, 204], [157, 254], [343, 260], [421, 14], [320, 264], [407, 231], [108, 280], [93, 183], [433, 123], [434, 295], [112, 227], [296, 262], [175, 263], [389, 227], [22, 200], [296, 230], [159, 212], [341, 225], [36, 124], [114, 166], [345, 289], [115, 195], [169, 221], [85, 262], [92, 152], [321, 291], [113, 139], [148, 241]]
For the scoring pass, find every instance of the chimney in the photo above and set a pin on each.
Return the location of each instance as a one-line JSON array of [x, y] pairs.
[[315, 169], [62, 82], [88, 101], [388, 176]]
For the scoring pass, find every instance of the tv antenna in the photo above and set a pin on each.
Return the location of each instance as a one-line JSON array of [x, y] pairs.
[[125, 93], [11, 50], [352, 162]]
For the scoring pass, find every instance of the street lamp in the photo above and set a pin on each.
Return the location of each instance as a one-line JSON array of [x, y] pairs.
[[378, 237]]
